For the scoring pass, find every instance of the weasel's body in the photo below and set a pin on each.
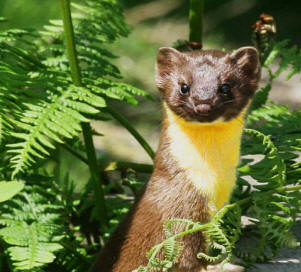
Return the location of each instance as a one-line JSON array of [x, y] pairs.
[[195, 165]]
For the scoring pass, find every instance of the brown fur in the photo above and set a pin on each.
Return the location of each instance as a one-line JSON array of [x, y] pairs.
[[169, 194], [205, 71]]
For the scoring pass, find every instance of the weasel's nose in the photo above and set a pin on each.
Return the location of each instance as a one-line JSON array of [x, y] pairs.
[[203, 108]]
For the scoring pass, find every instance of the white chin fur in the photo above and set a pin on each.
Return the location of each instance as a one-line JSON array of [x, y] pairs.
[[217, 121]]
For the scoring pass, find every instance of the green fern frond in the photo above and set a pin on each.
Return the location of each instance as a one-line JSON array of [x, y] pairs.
[[115, 90], [58, 116], [31, 231], [172, 249], [42, 106], [290, 58], [274, 211], [269, 171], [261, 97], [30, 249]]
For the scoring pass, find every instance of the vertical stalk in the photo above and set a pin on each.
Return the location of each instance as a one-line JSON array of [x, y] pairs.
[[196, 14], [86, 128], [126, 124]]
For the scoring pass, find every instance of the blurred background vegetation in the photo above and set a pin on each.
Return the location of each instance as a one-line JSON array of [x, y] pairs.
[[157, 23]]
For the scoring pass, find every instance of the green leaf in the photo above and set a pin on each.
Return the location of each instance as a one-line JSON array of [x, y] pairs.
[[9, 189]]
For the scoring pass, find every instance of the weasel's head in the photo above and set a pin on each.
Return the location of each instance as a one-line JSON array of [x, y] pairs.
[[204, 86]]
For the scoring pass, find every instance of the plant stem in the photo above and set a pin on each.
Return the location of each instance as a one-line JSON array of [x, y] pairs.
[[196, 14], [86, 128], [70, 43], [75, 153], [114, 165], [132, 130], [138, 167], [277, 190]]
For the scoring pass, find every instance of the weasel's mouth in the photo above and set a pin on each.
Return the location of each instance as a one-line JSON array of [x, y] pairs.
[[203, 109], [205, 113], [204, 117]]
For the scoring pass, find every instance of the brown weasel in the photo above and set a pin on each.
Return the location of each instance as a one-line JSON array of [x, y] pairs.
[[205, 95]]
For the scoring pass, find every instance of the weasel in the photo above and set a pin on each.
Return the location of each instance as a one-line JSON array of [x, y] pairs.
[[206, 95]]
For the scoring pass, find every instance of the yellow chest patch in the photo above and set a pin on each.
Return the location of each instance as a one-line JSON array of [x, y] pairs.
[[209, 152]]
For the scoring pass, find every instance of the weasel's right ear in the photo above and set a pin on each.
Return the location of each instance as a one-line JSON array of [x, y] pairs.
[[167, 60]]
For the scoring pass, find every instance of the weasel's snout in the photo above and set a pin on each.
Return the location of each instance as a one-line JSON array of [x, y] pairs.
[[203, 108]]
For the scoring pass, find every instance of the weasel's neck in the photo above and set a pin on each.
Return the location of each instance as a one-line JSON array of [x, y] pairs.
[[208, 153]]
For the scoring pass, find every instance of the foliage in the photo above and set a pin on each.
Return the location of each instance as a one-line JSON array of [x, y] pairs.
[[32, 229], [42, 111], [48, 224], [50, 107], [9, 189]]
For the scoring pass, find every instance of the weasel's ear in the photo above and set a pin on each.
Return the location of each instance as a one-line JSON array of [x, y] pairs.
[[167, 59], [247, 59]]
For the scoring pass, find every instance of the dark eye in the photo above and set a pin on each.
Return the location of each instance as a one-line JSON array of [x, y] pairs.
[[184, 89], [225, 89]]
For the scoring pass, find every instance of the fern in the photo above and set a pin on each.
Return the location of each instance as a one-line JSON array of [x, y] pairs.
[[49, 107], [164, 256], [290, 58], [273, 210], [31, 230], [42, 109], [41, 231]]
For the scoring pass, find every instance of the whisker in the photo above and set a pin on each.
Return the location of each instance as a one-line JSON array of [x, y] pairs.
[[227, 102]]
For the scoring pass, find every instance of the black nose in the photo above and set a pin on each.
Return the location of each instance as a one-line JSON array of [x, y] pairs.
[[203, 108]]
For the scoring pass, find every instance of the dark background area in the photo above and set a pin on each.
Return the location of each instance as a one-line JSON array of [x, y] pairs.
[[232, 18]]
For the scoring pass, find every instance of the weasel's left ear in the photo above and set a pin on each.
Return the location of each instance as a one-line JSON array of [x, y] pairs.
[[247, 59]]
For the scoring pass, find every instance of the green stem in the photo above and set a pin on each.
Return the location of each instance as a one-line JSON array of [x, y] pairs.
[[138, 167], [285, 189], [114, 165], [196, 14], [75, 153], [70, 43], [132, 130], [86, 128], [277, 190]]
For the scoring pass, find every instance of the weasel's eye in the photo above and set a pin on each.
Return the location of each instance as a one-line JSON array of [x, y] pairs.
[[225, 89], [184, 89]]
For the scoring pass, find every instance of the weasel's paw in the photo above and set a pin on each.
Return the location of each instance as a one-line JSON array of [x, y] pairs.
[[228, 267]]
